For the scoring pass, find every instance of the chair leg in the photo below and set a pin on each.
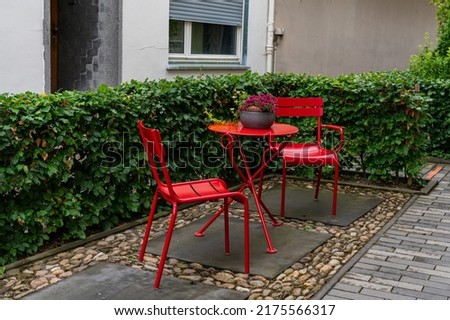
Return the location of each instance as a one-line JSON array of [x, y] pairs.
[[319, 178], [335, 189], [246, 238], [166, 245], [149, 224], [283, 189], [226, 226]]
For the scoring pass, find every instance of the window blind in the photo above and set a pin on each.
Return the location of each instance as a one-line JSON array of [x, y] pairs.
[[226, 12]]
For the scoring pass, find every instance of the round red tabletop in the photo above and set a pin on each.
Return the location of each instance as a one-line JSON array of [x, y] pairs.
[[276, 130]]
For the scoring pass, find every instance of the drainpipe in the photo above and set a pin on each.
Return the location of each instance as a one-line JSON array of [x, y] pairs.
[[270, 36]]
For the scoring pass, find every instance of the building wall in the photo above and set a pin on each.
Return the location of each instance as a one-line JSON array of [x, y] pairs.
[[145, 32], [328, 37], [333, 37], [21, 50]]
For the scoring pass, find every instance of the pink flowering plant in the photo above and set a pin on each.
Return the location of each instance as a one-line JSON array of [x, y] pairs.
[[263, 102]]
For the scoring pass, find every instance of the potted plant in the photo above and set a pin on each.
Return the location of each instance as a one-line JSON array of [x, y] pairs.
[[258, 111]]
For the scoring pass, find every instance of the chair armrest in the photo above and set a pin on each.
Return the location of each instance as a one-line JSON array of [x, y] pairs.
[[341, 134]]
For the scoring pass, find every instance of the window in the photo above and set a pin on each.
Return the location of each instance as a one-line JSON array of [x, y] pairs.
[[205, 32], [195, 38]]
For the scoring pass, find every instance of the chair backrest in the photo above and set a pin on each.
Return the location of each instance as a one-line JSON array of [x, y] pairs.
[[151, 138], [302, 107], [299, 107]]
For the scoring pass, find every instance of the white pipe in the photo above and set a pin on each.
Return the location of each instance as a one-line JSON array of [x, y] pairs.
[[270, 36]]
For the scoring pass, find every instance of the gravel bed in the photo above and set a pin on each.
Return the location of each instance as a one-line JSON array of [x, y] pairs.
[[300, 281]]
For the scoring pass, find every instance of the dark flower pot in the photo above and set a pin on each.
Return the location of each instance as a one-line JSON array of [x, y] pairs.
[[257, 120]]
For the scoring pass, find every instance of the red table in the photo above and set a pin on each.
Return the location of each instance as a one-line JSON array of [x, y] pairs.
[[231, 133]]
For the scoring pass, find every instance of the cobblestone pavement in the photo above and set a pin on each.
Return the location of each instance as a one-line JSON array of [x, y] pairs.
[[302, 280], [408, 259]]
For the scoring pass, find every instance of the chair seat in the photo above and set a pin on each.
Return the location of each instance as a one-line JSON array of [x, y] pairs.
[[197, 189], [308, 154]]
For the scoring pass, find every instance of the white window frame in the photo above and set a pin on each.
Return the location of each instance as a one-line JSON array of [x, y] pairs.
[[188, 57]]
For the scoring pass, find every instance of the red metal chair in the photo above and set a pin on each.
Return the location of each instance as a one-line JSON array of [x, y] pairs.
[[310, 153], [185, 192]]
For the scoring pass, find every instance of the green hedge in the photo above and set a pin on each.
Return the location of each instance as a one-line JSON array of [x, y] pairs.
[[439, 129], [73, 161]]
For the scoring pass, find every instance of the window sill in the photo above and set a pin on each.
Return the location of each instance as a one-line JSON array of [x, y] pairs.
[[207, 66]]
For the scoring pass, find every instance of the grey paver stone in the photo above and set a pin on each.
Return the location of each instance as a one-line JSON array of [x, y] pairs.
[[385, 295], [417, 294], [366, 284], [403, 227], [387, 275], [409, 238], [351, 296], [386, 255], [443, 225], [412, 263], [436, 262], [437, 273], [406, 219], [442, 201], [331, 297], [386, 240], [357, 276], [427, 283], [419, 253], [428, 238], [346, 287], [385, 263], [404, 273], [433, 231], [366, 266], [440, 279], [439, 243], [437, 212], [409, 244], [399, 284], [442, 268], [437, 292], [383, 248], [370, 255]]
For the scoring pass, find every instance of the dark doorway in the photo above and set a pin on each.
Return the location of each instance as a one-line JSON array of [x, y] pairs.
[[84, 44]]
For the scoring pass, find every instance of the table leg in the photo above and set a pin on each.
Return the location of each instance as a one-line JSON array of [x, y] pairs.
[[250, 184], [270, 248]]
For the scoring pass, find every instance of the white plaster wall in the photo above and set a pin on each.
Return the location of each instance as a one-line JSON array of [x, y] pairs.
[[257, 35], [22, 46], [145, 31], [145, 40]]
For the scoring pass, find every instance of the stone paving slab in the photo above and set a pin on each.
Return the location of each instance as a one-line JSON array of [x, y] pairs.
[[350, 206], [209, 249], [108, 281]]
